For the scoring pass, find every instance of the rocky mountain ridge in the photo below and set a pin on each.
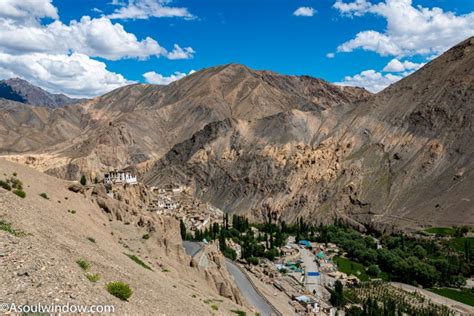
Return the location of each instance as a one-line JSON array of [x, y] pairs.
[[19, 90], [402, 158], [137, 124]]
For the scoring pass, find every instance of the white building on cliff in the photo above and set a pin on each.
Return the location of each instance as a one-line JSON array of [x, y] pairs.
[[120, 177]]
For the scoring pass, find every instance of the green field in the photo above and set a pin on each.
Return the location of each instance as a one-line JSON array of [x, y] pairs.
[[441, 231], [351, 267], [466, 296], [459, 242]]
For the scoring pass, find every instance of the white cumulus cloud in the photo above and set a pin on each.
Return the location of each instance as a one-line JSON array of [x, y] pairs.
[[59, 57], [76, 75], [358, 7], [371, 80], [95, 37], [181, 53], [396, 65], [144, 9], [304, 11], [411, 30], [156, 78], [27, 10]]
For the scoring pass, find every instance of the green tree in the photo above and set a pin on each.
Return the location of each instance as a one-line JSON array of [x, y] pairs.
[[420, 252], [271, 254], [337, 296], [222, 245], [467, 250], [215, 230], [226, 221], [461, 231], [182, 228], [373, 270], [83, 180]]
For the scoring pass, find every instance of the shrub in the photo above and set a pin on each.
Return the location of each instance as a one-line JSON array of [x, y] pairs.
[[5, 185], [83, 264], [139, 261], [253, 260], [14, 174], [7, 227], [214, 307], [239, 312], [83, 180], [93, 277], [92, 240], [16, 183], [120, 290], [146, 236], [20, 193], [230, 253], [44, 196]]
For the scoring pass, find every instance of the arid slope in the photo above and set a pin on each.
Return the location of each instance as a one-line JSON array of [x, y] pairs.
[[41, 266]]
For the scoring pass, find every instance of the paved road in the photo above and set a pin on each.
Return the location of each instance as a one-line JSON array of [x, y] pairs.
[[247, 290], [311, 282], [464, 309], [253, 297]]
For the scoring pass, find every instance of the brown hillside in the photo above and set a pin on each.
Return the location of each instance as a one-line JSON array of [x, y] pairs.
[[41, 265], [137, 124]]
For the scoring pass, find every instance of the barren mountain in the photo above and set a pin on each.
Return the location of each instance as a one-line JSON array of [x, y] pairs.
[[138, 124], [26, 128], [402, 158], [20, 90], [256, 142]]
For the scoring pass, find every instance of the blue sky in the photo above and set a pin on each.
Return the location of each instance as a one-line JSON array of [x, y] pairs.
[[374, 42]]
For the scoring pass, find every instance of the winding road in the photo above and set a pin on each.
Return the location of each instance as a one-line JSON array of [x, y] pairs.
[[248, 291], [241, 280]]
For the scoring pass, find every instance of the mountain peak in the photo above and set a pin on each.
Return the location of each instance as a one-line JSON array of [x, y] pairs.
[[20, 90]]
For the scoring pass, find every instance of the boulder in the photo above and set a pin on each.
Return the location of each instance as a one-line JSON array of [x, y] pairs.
[[76, 188], [100, 190]]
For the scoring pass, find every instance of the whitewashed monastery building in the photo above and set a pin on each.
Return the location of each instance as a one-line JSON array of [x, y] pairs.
[[120, 177]]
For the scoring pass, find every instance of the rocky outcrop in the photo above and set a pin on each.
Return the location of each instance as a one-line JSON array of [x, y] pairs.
[[76, 188], [217, 275]]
